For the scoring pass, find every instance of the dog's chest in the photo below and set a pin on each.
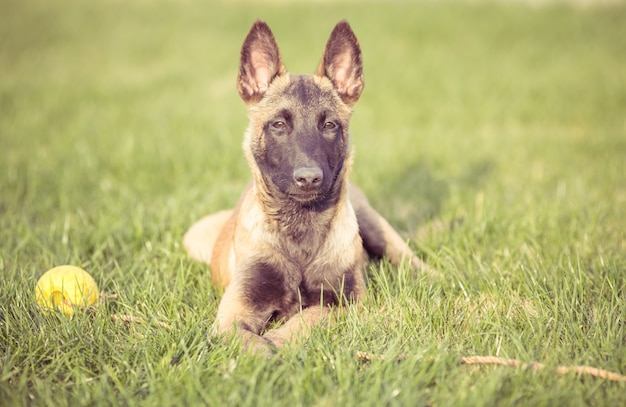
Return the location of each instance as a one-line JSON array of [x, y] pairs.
[[324, 285], [291, 276], [326, 275], [301, 259]]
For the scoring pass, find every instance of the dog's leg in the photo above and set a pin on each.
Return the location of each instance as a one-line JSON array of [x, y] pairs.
[[201, 236], [235, 318], [379, 237], [298, 326]]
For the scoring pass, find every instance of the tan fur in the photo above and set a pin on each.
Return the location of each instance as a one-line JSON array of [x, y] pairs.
[[277, 258]]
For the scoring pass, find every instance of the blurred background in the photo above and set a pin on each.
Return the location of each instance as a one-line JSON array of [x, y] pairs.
[[126, 114]]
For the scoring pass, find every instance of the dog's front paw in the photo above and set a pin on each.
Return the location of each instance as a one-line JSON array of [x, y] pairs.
[[261, 346], [275, 337]]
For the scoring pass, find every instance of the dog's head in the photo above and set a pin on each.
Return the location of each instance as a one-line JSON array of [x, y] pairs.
[[297, 143]]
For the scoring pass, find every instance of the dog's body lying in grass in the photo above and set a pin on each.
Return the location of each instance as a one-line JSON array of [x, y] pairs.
[[297, 242]]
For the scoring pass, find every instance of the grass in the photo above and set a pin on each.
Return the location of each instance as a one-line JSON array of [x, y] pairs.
[[120, 125]]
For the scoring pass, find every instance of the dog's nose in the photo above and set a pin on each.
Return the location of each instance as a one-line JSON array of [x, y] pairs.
[[308, 178]]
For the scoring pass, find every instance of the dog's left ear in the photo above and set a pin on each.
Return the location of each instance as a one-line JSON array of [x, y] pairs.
[[342, 63]]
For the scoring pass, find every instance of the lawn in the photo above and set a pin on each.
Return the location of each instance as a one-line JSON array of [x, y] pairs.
[[493, 135]]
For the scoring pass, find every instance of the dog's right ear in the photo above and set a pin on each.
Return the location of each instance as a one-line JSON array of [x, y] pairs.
[[260, 63]]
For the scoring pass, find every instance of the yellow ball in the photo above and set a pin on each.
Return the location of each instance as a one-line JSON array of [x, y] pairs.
[[65, 288]]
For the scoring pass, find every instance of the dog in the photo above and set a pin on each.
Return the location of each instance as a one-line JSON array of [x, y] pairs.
[[296, 245]]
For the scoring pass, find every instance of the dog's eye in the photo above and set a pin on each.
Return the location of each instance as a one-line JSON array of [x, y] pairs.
[[279, 124], [329, 125]]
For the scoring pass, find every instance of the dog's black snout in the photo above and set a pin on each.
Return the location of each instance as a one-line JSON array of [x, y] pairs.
[[308, 178]]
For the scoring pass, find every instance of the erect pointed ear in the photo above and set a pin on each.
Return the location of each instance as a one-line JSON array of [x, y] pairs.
[[342, 63], [259, 64]]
